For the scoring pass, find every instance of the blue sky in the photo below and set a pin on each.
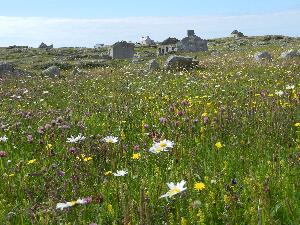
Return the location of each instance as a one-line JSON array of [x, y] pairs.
[[87, 22]]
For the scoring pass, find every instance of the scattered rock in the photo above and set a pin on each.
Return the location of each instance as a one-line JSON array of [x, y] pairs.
[[6, 67], [262, 56], [52, 71], [153, 65], [289, 54], [77, 71], [177, 62]]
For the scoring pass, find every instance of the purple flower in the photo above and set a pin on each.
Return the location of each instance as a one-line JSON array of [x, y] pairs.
[[29, 138], [72, 150], [60, 173], [176, 123], [163, 120], [41, 130], [88, 200], [205, 120], [146, 126], [185, 103], [180, 113], [136, 148], [47, 126], [3, 154], [234, 181]]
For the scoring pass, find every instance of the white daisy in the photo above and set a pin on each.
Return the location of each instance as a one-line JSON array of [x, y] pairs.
[[174, 189], [110, 139], [120, 173], [62, 206], [75, 139], [79, 201], [279, 93], [162, 146], [3, 138], [290, 87]]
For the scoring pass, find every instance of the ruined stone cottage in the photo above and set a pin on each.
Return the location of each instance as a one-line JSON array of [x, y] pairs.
[[192, 43], [44, 46], [237, 34], [167, 46], [146, 41], [121, 50]]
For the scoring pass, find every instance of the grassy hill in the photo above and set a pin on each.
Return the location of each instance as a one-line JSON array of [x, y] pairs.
[[234, 122]]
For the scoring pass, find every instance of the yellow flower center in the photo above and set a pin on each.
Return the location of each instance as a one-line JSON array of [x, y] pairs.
[[162, 145], [174, 191]]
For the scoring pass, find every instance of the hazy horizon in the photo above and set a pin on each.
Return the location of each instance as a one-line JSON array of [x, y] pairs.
[[84, 24]]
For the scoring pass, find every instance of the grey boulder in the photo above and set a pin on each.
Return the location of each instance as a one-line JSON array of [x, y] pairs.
[[262, 56], [180, 62], [289, 54], [153, 65], [52, 71], [6, 67]]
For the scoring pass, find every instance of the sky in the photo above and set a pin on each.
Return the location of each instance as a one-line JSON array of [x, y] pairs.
[[85, 23]]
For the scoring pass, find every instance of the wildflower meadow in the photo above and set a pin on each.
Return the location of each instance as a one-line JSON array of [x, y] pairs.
[[219, 144]]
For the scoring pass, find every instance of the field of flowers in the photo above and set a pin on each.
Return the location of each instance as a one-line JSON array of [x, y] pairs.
[[117, 145]]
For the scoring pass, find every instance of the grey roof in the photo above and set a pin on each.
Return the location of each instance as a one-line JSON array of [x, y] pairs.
[[170, 41], [123, 44]]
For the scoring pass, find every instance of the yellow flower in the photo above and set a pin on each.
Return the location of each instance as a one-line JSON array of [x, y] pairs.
[[136, 156], [199, 186], [49, 146], [108, 173], [31, 161], [204, 114], [110, 208], [219, 145], [11, 175], [87, 159], [297, 124], [226, 199]]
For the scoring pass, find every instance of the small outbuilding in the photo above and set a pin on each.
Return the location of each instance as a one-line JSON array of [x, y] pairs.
[[121, 50], [146, 41], [167, 46], [237, 34]]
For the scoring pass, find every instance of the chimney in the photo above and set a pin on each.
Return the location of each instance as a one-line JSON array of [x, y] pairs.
[[190, 33]]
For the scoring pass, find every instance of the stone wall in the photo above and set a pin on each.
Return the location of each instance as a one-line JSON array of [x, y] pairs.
[[121, 52]]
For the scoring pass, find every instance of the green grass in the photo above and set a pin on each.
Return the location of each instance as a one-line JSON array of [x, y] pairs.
[[256, 127]]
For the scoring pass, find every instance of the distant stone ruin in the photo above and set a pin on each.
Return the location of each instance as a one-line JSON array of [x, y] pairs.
[[146, 41], [192, 43], [121, 50], [167, 46], [237, 34], [44, 46], [17, 47]]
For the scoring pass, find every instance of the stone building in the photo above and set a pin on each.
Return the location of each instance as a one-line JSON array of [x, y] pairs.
[[146, 41], [121, 50], [44, 46], [192, 43], [236, 34], [167, 46]]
